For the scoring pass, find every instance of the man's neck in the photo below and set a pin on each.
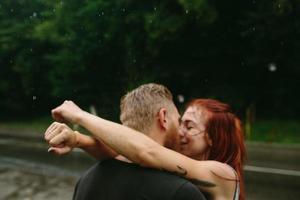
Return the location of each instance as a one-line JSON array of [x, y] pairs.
[[156, 135]]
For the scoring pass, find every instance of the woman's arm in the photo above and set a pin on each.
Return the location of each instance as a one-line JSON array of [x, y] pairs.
[[141, 149], [94, 147], [63, 139]]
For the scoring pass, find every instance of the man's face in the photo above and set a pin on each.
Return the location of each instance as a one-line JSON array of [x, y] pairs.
[[172, 134]]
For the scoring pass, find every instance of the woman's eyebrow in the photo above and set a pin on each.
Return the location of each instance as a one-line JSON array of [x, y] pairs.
[[187, 121]]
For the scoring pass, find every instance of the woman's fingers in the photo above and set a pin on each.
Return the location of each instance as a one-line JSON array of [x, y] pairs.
[[55, 130], [59, 150], [67, 111], [58, 138], [49, 129]]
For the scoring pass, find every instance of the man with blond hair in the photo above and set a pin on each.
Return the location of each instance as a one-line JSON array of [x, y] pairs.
[[148, 109]]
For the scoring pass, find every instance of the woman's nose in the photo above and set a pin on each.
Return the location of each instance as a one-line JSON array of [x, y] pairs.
[[183, 138]]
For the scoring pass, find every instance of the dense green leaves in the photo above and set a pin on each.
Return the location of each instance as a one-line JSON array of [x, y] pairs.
[[93, 51]]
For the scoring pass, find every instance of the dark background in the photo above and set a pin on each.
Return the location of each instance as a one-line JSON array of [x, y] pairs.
[[242, 52]]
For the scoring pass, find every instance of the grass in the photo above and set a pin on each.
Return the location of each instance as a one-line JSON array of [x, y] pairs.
[[279, 131], [35, 126], [32, 126]]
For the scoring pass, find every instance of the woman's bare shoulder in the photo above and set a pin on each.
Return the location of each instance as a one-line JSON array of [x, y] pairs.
[[222, 178], [223, 170], [219, 169]]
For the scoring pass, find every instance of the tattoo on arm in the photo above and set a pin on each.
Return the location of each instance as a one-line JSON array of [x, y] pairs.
[[183, 172], [202, 183]]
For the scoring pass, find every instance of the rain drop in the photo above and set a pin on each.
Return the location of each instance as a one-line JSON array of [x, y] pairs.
[[180, 98], [272, 67], [34, 14], [186, 11], [33, 98]]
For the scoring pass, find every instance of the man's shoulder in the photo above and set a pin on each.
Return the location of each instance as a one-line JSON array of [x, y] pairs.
[[188, 191], [157, 184], [165, 185], [126, 179], [146, 175]]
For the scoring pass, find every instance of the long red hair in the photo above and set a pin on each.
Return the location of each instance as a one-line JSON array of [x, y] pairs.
[[224, 130]]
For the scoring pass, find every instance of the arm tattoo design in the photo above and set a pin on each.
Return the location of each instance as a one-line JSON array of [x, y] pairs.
[[202, 183], [181, 172]]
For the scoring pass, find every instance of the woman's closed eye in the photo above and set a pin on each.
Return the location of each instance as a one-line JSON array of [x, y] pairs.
[[189, 126]]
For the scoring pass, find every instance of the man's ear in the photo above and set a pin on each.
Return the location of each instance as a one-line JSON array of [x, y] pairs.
[[162, 118]]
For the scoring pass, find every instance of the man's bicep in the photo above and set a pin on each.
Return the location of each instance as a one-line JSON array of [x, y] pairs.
[[190, 192]]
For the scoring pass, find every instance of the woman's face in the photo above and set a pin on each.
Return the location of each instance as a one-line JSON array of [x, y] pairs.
[[194, 141]]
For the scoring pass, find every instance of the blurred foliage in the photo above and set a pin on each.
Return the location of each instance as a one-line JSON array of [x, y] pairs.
[[242, 52], [282, 131]]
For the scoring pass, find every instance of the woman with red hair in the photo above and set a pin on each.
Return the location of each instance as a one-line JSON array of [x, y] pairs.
[[211, 151], [210, 131]]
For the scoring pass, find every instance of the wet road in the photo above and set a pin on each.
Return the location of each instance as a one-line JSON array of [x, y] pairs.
[[273, 171], [24, 185], [28, 172]]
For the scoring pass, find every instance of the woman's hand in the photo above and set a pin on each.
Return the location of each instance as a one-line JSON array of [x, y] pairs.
[[61, 138], [67, 112]]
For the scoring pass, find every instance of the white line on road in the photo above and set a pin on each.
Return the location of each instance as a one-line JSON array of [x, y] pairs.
[[272, 170]]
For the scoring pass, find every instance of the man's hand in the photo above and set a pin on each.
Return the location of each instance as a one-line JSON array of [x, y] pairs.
[[61, 138], [67, 112]]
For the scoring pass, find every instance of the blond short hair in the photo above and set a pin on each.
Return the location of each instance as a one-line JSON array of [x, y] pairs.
[[139, 107]]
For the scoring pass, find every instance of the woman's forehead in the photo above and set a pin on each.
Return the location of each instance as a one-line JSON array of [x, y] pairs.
[[193, 113], [190, 113]]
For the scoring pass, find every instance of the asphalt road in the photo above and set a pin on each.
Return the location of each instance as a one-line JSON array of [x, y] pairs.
[[273, 171], [28, 172]]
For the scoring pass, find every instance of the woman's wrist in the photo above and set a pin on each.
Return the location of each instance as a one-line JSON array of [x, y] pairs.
[[77, 136], [84, 141], [81, 116]]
